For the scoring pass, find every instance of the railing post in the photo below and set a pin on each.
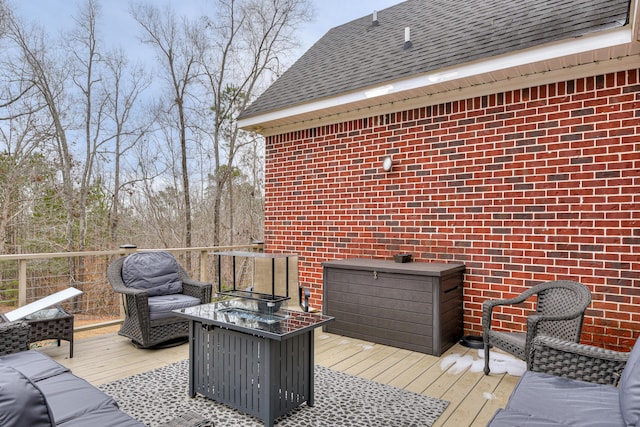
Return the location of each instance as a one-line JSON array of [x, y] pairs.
[[22, 282], [204, 276]]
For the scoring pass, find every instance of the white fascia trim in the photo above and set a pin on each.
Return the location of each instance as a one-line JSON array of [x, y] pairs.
[[556, 50]]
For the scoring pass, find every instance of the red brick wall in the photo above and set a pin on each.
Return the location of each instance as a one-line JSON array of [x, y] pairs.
[[524, 186]]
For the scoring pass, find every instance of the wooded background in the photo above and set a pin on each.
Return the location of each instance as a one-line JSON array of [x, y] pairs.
[[98, 149]]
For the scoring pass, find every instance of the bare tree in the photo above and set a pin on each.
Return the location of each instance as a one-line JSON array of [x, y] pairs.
[[157, 203], [178, 48], [4, 12], [86, 78], [246, 42], [253, 163], [14, 145], [123, 87], [79, 149], [47, 77], [24, 174]]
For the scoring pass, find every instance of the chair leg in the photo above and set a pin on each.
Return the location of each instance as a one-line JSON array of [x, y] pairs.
[[486, 358]]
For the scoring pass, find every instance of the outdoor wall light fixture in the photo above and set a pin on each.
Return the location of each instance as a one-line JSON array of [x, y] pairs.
[[387, 163]]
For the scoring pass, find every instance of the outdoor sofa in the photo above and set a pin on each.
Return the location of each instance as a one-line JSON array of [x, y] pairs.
[[37, 391], [570, 384]]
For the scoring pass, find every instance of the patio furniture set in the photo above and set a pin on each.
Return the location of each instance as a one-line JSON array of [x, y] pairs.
[[231, 341], [566, 383]]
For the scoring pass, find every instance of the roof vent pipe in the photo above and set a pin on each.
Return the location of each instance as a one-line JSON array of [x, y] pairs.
[[407, 38], [375, 18]]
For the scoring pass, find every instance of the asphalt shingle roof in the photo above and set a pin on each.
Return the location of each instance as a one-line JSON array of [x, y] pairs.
[[444, 33]]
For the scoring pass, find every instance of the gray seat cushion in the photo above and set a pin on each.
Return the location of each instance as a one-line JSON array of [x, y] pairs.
[[155, 272], [565, 401], [160, 307], [630, 388], [21, 401]]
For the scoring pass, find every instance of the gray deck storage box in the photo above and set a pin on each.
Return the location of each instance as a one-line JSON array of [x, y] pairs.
[[416, 305]]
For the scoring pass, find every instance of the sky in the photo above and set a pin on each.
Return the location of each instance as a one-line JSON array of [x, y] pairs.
[[56, 15]]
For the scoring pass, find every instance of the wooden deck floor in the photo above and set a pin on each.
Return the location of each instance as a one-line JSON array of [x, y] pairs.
[[474, 397]]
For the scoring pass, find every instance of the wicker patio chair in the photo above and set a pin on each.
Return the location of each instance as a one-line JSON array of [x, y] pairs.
[[14, 337], [559, 313], [138, 324], [568, 359]]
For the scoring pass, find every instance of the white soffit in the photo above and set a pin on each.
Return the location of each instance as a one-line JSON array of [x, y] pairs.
[[548, 59]]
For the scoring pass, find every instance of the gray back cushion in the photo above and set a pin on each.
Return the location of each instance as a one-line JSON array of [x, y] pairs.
[[629, 389], [155, 272]]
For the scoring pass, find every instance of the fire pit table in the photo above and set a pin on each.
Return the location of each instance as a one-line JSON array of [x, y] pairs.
[[257, 361]]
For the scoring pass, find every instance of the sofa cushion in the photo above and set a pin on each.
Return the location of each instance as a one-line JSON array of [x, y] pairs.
[[160, 307], [21, 402], [565, 401], [630, 388], [155, 272], [59, 398], [72, 397], [33, 364], [511, 418], [108, 416]]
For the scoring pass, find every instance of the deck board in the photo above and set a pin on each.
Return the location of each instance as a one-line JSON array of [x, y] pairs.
[[474, 397], [462, 395], [498, 398], [416, 364]]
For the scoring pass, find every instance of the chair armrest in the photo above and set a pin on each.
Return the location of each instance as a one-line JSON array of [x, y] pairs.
[[127, 290], [488, 305], [197, 289], [576, 361], [193, 282], [14, 337]]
